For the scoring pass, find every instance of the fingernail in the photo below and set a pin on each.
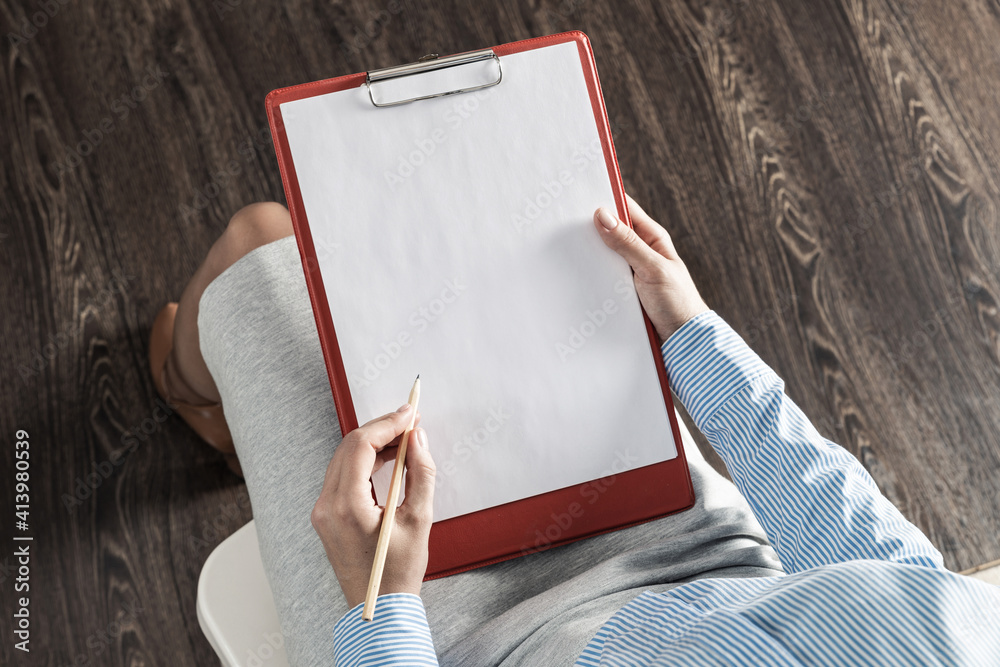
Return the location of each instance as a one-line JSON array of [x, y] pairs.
[[421, 438], [606, 219], [404, 407]]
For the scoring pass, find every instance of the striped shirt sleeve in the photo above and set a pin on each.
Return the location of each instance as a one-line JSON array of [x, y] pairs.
[[398, 635], [816, 502]]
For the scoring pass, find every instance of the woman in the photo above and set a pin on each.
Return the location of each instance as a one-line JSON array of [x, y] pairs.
[[848, 581]]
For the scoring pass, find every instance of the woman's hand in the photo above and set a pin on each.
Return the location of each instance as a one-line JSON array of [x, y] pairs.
[[662, 281], [348, 520]]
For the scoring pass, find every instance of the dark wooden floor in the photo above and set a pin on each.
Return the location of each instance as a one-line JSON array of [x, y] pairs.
[[829, 169]]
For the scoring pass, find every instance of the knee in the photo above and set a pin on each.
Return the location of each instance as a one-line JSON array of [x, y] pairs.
[[258, 224]]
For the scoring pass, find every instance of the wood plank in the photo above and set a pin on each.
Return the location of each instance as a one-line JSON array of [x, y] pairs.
[[828, 170]]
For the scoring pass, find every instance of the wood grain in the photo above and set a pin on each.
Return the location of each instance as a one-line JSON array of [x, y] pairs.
[[828, 170]]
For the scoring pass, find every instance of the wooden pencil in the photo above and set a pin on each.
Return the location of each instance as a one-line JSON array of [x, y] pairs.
[[389, 515]]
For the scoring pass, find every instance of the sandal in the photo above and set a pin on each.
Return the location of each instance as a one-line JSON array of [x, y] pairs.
[[207, 419]]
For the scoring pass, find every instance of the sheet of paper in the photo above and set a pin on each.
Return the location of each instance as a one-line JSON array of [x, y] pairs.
[[455, 240]]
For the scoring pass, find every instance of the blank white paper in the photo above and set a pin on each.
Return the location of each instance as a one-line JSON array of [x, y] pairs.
[[454, 236]]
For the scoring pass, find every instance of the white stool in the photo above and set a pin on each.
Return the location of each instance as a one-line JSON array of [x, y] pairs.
[[235, 606]]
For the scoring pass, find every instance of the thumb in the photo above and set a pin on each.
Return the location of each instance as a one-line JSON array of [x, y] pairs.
[[420, 475], [622, 239]]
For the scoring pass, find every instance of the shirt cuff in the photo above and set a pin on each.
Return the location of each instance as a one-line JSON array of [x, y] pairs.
[[398, 634], [707, 364]]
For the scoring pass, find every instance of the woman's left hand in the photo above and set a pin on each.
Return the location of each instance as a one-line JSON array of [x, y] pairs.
[[348, 520]]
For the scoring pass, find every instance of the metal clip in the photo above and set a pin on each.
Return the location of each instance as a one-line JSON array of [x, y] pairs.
[[430, 63]]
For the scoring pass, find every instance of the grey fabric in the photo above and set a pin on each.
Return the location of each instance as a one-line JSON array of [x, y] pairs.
[[258, 337]]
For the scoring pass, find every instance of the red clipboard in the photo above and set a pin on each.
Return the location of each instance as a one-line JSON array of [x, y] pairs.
[[539, 522]]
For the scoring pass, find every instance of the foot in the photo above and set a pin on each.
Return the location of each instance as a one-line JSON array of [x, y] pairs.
[[204, 416]]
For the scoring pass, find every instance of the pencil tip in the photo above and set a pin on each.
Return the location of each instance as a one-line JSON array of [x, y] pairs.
[[418, 376]]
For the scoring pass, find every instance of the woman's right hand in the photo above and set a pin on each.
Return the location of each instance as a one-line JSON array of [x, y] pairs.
[[348, 520], [662, 281]]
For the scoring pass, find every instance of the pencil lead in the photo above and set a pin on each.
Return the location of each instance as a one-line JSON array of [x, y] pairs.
[[418, 376]]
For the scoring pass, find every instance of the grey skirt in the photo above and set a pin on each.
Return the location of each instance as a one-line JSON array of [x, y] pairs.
[[259, 340]]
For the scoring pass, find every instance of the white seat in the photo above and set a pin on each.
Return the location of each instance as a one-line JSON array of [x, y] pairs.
[[235, 606]]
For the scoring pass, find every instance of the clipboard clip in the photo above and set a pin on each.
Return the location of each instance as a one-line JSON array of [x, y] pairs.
[[430, 63]]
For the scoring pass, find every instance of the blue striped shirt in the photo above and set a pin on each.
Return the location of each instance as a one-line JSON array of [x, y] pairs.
[[863, 586]]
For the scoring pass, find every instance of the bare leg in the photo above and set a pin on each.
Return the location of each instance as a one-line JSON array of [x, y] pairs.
[[252, 226]]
